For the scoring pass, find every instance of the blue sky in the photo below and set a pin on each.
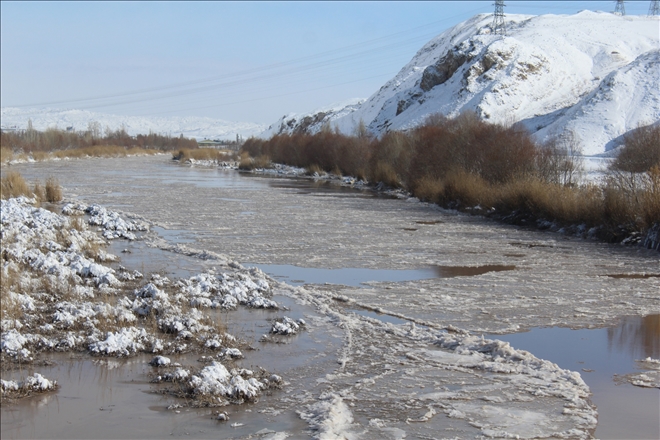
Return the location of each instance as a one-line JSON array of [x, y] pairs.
[[240, 61]]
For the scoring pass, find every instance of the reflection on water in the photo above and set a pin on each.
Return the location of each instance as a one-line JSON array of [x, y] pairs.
[[356, 277], [624, 411], [174, 235], [638, 336], [468, 271]]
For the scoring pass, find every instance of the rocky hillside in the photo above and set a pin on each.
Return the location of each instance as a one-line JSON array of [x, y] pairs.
[[593, 74]]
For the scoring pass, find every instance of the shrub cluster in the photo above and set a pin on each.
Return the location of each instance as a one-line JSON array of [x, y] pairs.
[[34, 142], [13, 184], [210, 154], [465, 162]]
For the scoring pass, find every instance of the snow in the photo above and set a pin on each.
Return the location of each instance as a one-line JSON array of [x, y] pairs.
[[113, 225], [330, 418], [321, 116], [190, 126], [287, 326], [36, 382], [216, 380], [71, 315], [125, 342], [159, 361], [594, 74]]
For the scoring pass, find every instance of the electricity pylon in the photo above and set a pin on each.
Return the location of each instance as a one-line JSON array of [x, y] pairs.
[[654, 9], [498, 18], [620, 8]]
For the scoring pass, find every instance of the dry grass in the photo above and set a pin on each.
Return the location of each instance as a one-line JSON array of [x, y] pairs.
[[312, 169], [59, 288], [39, 192], [468, 189], [553, 201], [531, 196], [384, 172], [6, 155], [53, 190], [210, 154], [41, 156], [633, 199], [651, 197], [95, 151], [91, 249], [263, 161], [77, 223], [249, 163], [429, 189], [10, 308], [79, 153], [13, 185]]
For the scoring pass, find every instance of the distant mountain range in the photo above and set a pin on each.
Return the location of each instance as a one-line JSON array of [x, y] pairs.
[[593, 74], [190, 126]]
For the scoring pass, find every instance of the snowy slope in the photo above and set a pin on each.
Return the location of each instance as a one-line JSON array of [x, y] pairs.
[[192, 126], [594, 73], [312, 122]]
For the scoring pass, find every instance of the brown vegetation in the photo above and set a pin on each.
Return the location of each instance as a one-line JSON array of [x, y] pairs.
[[211, 154], [53, 190], [260, 162], [13, 185], [641, 150], [465, 162], [60, 144]]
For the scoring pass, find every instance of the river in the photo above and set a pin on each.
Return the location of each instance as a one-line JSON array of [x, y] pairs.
[[374, 276]]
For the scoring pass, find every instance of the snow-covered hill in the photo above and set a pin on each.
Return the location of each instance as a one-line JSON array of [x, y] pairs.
[[593, 73], [312, 122], [192, 126]]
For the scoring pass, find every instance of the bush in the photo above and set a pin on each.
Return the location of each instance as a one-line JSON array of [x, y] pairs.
[[641, 150], [33, 141], [633, 199], [39, 192], [211, 154], [13, 185], [466, 162], [53, 190]]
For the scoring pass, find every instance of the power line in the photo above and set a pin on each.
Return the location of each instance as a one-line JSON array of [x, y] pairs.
[[654, 8], [269, 72]]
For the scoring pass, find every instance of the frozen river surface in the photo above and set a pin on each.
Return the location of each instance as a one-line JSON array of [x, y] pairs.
[[397, 294]]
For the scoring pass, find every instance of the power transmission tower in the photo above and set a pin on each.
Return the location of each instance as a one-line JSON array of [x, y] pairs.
[[620, 8], [498, 18], [654, 9]]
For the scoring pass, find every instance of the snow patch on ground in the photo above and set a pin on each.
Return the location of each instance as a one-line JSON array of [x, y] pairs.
[[62, 300]]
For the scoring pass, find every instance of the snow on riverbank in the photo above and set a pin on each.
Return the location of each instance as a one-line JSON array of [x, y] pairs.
[[58, 295], [31, 384]]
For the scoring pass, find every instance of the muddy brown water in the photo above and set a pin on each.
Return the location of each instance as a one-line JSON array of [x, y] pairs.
[[538, 279]]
